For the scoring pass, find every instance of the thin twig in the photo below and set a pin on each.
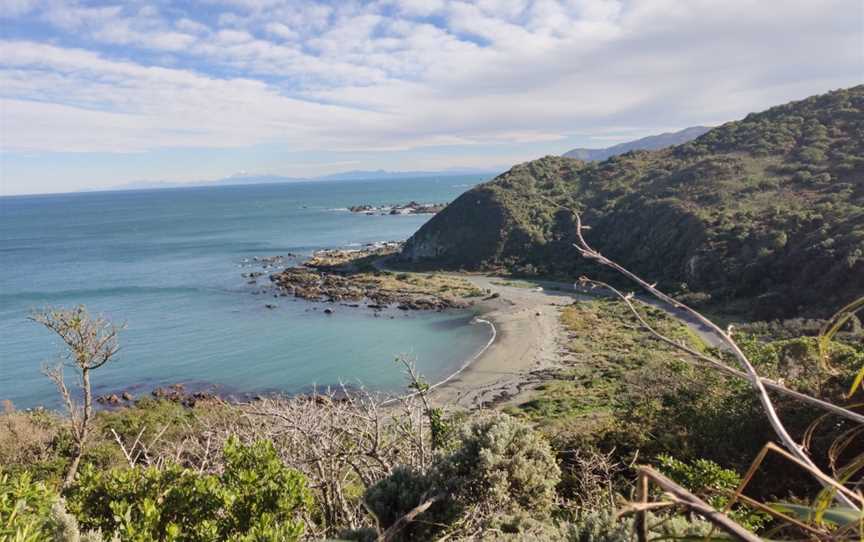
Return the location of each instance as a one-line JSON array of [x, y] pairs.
[[753, 377]]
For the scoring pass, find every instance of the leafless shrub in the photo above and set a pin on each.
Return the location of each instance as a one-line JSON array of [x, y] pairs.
[[591, 475], [90, 343], [344, 441], [25, 437]]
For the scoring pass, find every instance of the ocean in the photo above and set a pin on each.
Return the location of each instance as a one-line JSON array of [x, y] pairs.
[[169, 264]]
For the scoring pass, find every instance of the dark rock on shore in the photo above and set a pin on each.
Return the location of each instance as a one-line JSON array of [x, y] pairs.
[[111, 399], [410, 208], [177, 393]]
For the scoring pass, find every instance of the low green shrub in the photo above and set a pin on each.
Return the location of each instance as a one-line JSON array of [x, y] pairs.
[[714, 484], [255, 498], [25, 508]]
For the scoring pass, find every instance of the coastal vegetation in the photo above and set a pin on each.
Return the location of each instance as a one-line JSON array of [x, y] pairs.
[[762, 217], [357, 466], [645, 430]]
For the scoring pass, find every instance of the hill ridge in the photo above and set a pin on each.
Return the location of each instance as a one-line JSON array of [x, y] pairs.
[[648, 143], [764, 214]]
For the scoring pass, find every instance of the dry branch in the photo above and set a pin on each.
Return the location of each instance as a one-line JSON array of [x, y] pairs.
[[697, 505], [717, 364], [402, 522], [753, 377]]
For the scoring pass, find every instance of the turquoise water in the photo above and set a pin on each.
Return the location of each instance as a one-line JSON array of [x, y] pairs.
[[169, 264]]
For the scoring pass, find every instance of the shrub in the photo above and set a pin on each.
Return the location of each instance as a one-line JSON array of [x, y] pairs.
[[395, 495], [256, 498], [501, 465], [31, 511], [499, 468], [712, 482], [25, 508], [32, 440]]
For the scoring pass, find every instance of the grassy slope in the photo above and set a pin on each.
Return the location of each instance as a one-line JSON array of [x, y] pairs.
[[766, 213]]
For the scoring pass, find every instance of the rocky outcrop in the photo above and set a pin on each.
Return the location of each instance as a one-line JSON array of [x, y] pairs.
[[351, 277], [410, 208], [332, 287]]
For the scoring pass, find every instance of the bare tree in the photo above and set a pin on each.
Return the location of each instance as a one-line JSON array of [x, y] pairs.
[[91, 342]]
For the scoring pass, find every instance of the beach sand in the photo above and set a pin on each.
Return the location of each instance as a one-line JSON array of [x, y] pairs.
[[529, 342], [526, 346]]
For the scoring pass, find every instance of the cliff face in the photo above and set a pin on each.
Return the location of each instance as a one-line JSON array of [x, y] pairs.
[[768, 211]]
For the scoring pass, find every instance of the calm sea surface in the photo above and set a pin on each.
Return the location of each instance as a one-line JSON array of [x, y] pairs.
[[169, 264]]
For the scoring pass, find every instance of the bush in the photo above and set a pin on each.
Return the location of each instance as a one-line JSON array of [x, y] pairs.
[[713, 483], [256, 498], [32, 441], [25, 508], [395, 495], [32, 512], [499, 467]]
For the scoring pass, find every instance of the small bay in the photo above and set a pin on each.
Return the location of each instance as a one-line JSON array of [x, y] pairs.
[[169, 263]]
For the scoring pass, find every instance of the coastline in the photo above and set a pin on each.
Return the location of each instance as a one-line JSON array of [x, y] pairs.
[[528, 341], [525, 345]]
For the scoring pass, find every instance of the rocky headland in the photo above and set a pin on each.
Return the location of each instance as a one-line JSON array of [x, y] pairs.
[[355, 278]]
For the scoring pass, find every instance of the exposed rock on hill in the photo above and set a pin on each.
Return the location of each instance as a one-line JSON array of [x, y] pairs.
[[766, 213]]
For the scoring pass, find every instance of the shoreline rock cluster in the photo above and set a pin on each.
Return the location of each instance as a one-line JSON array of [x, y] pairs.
[[176, 393], [332, 287], [350, 277], [410, 208]]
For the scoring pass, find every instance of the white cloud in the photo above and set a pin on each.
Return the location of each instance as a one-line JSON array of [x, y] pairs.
[[190, 26], [281, 30], [72, 17], [406, 74]]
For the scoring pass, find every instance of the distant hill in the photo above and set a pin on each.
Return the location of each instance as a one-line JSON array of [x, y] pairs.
[[239, 180], [650, 143], [384, 174], [765, 214]]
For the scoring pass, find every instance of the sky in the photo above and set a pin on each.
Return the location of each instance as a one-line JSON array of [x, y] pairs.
[[98, 94]]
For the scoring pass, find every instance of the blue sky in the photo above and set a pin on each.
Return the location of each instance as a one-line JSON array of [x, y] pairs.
[[98, 94]]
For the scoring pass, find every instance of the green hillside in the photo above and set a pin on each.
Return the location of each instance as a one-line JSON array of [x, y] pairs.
[[765, 214]]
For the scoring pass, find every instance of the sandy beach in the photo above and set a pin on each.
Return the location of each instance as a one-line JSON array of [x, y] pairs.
[[527, 344]]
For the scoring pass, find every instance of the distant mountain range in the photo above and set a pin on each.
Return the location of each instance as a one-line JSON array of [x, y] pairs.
[[650, 143], [383, 174], [243, 179]]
